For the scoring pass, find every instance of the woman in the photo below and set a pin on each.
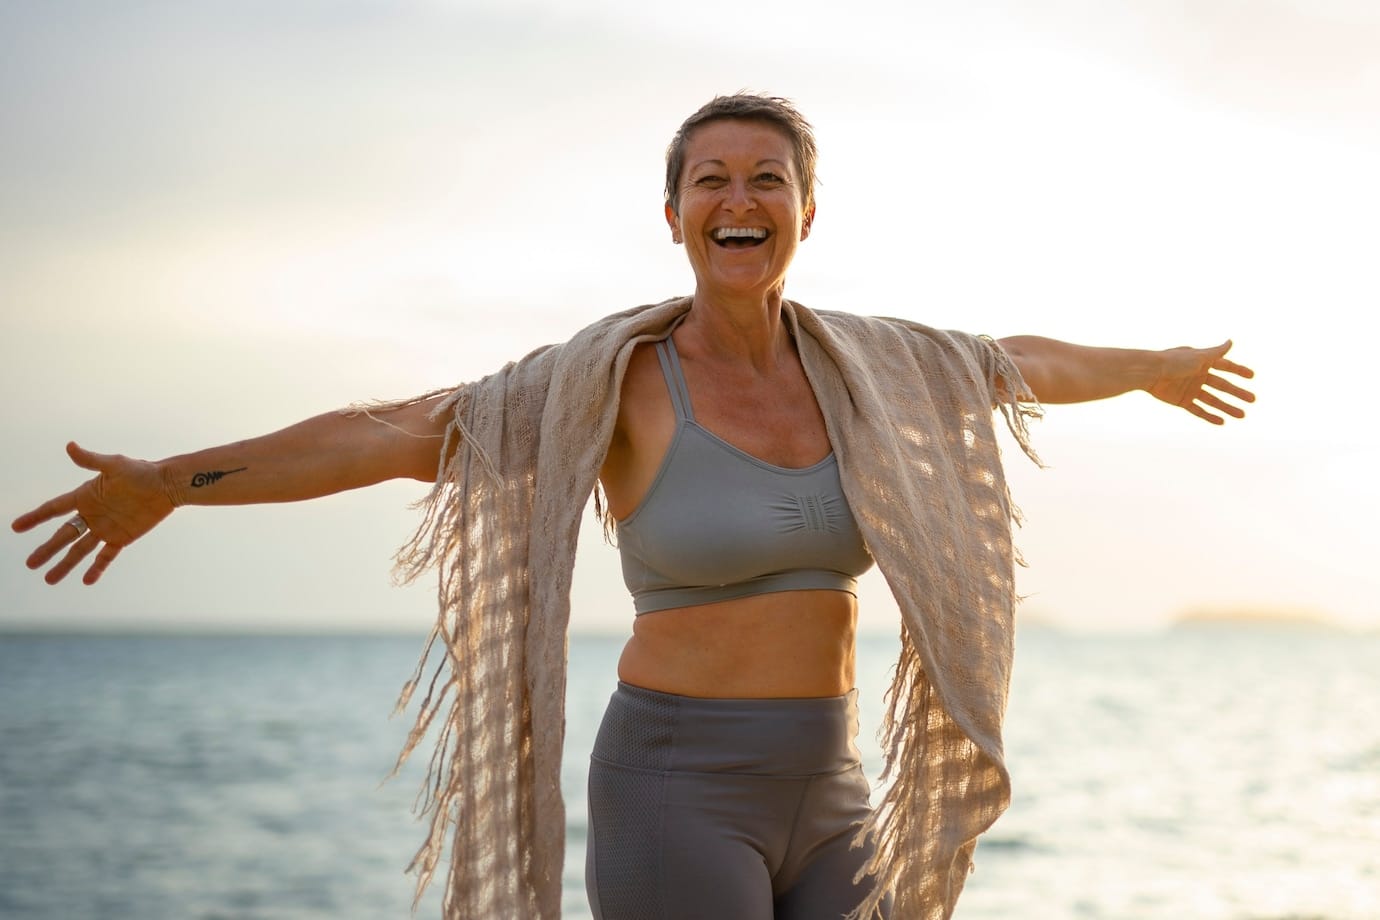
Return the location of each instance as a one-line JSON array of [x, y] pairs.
[[754, 458]]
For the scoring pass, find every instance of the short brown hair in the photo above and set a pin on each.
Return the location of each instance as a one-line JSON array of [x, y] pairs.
[[773, 110]]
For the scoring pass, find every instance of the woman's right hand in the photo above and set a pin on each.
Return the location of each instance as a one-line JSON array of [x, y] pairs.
[[125, 500]]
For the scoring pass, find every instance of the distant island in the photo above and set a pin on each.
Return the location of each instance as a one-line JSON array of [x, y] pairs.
[[1274, 618]]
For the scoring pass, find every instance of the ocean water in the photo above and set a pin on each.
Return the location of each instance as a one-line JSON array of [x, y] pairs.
[[1226, 773]]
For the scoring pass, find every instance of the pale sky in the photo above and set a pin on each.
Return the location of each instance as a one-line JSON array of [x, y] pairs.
[[219, 218]]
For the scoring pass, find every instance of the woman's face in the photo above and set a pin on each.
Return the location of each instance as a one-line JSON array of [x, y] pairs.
[[741, 215]]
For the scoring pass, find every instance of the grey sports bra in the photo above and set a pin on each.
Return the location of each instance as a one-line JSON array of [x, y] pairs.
[[718, 523]]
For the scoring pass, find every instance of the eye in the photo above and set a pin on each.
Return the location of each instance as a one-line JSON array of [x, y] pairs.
[[710, 181], [769, 178]]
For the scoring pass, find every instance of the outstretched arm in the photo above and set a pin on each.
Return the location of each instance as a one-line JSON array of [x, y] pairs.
[[1190, 378], [320, 456]]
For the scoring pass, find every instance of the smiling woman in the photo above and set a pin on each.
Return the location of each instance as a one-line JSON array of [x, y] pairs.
[[740, 209], [754, 457]]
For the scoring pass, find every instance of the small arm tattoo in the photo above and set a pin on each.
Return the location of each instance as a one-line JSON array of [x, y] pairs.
[[205, 479]]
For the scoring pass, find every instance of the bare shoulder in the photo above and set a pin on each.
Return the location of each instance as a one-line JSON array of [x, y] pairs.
[[646, 423], [643, 400]]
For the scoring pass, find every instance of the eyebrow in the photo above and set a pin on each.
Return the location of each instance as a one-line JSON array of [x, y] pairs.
[[700, 163]]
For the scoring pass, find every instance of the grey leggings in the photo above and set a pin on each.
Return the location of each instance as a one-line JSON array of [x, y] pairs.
[[737, 809]]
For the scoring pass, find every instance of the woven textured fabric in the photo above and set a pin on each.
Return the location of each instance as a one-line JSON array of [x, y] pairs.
[[909, 412]]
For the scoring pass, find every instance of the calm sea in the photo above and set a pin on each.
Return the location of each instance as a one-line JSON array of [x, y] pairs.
[[1214, 773]]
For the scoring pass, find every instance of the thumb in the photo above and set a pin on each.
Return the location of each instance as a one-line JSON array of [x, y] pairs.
[[85, 458]]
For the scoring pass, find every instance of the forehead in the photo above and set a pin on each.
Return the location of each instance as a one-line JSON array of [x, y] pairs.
[[737, 140]]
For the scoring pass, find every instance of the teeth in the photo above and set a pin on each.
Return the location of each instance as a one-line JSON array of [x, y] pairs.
[[745, 233]]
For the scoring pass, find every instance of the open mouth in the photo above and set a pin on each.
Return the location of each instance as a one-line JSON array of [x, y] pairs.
[[738, 237]]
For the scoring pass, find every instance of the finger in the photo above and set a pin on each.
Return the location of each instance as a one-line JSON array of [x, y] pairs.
[[1221, 405], [1231, 367], [1231, 389], [52, 546], [79, 551], [53, 507], [100, 564], [1203, 414]]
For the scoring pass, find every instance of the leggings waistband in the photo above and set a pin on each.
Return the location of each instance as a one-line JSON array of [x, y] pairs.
[[651, 730]]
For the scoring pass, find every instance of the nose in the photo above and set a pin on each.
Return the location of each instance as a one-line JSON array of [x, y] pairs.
[[739, 198]]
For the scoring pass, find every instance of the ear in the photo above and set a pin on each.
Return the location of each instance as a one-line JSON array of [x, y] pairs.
[[673, 222], [805, 224]]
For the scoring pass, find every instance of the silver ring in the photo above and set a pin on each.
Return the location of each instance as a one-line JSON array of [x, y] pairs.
[[78, 522]]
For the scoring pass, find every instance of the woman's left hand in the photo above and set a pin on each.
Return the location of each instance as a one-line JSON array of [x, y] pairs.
[[1188, 378]]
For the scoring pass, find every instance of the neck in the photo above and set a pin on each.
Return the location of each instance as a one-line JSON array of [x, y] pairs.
[[749, 332]]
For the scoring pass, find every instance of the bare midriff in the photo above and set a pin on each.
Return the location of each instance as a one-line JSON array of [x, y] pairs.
[[768, 646]]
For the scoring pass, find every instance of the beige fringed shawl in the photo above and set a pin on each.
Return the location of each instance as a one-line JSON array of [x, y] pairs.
[[909, 414]]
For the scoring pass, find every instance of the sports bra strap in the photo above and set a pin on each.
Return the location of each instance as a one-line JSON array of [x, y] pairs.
[[675, 379]]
